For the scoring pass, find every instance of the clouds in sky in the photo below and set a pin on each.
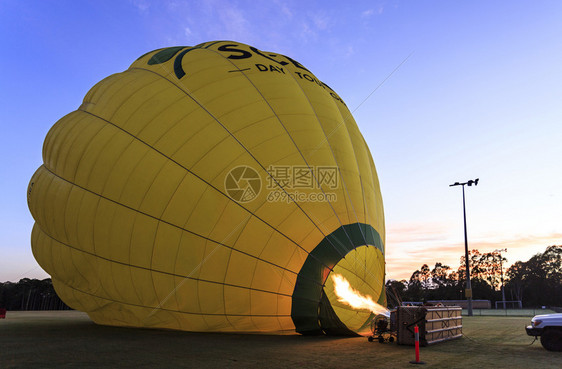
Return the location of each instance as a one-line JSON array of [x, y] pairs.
[[412, 245], [281, 26], [370, 12], [142, 5]]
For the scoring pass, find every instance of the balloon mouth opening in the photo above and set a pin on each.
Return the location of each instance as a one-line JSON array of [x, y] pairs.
[[353, 301], [315, 307]]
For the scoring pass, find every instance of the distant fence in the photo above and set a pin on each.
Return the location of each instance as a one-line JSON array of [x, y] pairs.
[[508, 312], [476, 304]]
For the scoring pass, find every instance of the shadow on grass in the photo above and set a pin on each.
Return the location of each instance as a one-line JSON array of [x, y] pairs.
[[70, 339]]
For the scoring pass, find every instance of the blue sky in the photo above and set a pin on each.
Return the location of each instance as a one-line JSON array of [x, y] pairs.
[[477, 93]]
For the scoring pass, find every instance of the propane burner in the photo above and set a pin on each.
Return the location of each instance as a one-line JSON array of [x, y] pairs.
[[382, 329]]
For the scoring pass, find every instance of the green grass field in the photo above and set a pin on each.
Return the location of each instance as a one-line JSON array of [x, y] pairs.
[[69, 339]]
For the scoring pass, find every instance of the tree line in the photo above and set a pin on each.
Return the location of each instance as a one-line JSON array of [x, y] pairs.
[[30, 294], [536, 282]]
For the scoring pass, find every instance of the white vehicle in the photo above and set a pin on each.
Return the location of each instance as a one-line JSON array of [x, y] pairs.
[[549, 328]]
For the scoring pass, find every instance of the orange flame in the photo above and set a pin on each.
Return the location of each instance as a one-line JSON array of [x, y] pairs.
[[347, 295]]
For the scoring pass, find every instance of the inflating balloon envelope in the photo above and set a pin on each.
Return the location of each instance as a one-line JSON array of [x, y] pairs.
[[211, 188]]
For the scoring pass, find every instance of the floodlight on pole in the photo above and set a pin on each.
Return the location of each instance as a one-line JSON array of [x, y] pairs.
[[499, 251], [468, 290]]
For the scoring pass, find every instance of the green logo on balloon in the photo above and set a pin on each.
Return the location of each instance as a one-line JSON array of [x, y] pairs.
[[242, 184]]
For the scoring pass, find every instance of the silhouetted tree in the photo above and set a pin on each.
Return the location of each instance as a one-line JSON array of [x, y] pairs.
[[445, 283], [538, 281], [484, 274], [30, 294], [395, 292]]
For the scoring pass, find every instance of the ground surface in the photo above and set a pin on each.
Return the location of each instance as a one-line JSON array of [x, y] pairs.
[[69, 339]]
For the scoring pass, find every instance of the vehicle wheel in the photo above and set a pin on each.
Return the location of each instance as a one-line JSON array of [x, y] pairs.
[[551, 339], [391, 339], [370, 338]]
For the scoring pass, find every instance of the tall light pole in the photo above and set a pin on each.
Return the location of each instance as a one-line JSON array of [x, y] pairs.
[[501, 269], [468, 291]]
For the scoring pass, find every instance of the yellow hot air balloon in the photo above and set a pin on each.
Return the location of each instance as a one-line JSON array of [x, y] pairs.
[[210, 188]]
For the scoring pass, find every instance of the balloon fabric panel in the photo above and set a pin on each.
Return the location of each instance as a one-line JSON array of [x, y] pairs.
[[210, 188]]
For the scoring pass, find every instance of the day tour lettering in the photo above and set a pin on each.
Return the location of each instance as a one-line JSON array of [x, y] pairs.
[[275, 62]]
